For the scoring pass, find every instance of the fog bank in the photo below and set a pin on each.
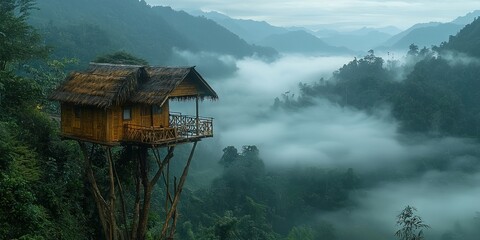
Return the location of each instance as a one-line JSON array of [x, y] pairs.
[[437, 175]]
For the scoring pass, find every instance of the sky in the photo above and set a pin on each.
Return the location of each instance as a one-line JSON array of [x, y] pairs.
[[342, 13]]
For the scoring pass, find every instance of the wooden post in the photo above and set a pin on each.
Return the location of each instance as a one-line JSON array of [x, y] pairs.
[[126, 235], [144, 186], [151, 115], [167, 189], [148, 185], [105, 206], [197, 118], [111, 209], [147, 192], [173, 207]]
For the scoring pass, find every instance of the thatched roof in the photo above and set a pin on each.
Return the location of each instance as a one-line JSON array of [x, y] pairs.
[[104, 85]]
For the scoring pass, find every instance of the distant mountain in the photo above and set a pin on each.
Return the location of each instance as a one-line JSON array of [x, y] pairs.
[[392, 30], [360, 40], [207, 35], [470, 17], [325, 33], [389, 30], [301, 42], [250, 30], [394, 39], [259, 32], [291, 40], [428, 36], [467, 40], [148, 32]]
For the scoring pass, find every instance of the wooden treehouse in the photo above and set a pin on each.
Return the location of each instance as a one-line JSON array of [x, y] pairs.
[[115, 104], [111, 105]]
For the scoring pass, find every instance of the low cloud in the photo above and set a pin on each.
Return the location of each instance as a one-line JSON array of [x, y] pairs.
[[438, 175], [211, 65], [446, 201]]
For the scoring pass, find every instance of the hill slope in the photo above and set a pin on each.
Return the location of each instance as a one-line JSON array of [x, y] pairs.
[[467, 40], [250, 30], [359, 41], [131, 25], [428, 36], [394, 39]]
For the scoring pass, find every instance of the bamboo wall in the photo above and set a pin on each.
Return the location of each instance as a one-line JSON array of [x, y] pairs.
[[89, 122], [186, 88], [107, 125]]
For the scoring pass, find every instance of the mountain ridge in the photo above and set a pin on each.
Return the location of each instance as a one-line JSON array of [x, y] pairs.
[[151, 32]]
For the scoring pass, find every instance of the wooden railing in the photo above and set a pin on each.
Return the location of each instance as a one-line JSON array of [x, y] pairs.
[[189, 126], [135, 133], [181, 127]]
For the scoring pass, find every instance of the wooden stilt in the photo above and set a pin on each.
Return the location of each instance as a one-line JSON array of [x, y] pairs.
[[167, 189], [144, 186], [136, 210], [176, 198], [197, 118], [105, 211], [122, 201], [111, 206]]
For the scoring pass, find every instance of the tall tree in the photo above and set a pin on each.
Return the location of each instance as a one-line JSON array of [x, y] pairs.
[[18, 40], [412, 225], [120, 57]]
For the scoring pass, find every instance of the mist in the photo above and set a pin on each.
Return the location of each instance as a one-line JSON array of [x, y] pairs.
[[437, 175]]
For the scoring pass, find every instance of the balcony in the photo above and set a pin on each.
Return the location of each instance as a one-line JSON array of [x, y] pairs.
[[183, 128]]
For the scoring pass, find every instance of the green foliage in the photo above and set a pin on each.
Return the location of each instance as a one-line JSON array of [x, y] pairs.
[[248, 202], [435, 94], [121, 58], [225, 227], [19, 170], [439, 97], [365, 84], [41, 183], [301, 233], [48, 75], [41, 179], [18, 40], [412, 226], [466, 41], [82, 41], [18, 95], [19, 215], [88, 28], [203, 34]]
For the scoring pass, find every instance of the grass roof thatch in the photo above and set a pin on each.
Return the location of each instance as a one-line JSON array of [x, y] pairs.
[[104, 85]]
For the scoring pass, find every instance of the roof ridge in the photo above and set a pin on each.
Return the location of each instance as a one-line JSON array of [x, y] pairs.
[[116, 64]]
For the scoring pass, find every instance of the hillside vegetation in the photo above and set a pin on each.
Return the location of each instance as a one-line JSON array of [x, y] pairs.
[[435, 91], [88, 28]]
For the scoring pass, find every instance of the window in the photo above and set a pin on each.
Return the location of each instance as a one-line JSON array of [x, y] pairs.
[[127, 113]]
